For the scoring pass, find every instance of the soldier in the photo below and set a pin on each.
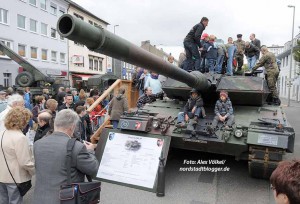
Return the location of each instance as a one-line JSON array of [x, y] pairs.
[[239, 56], [268, 60]]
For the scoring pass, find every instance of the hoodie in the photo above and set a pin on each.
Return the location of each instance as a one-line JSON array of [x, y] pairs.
[[117, 107]]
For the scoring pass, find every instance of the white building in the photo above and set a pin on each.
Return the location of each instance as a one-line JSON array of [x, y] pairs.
[[84, 63], [29, 28], [285, 57]]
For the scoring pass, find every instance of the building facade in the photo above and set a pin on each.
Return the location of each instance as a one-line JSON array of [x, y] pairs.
[[29, 28], [84, 63], [146, 45], [284, 82]]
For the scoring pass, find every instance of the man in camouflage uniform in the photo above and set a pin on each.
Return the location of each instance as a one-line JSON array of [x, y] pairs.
[[239, 56], [268, 60]]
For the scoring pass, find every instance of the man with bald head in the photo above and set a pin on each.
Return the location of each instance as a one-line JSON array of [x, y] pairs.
[[44, 119]]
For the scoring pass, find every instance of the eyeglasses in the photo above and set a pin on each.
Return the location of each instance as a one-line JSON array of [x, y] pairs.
[[272, 187]]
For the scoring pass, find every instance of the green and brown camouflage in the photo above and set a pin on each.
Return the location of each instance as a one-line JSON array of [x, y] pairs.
[[261, 133], [240, 45]]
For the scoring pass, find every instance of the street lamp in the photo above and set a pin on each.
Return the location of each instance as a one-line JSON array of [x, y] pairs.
[[290, 73]]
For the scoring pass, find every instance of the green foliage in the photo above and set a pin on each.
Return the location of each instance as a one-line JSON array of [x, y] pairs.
[[296, 55]]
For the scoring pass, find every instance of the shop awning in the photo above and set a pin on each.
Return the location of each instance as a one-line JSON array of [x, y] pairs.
[[84, 77]]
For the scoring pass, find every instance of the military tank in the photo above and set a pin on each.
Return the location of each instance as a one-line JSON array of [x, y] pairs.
[[261, 134], [33, 77]]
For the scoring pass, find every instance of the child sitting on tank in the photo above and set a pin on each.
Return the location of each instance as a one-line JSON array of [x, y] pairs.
[[192, 110], [224, 113]]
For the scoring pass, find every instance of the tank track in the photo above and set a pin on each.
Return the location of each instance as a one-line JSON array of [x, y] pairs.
[[263, 161]]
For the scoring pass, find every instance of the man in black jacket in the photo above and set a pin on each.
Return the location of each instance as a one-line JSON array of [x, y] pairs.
[[68, 103], [252, 54], [44, 127], [192, 43]]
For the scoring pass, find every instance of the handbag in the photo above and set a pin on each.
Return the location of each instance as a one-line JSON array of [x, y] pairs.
[[22, 187], [78, 193]]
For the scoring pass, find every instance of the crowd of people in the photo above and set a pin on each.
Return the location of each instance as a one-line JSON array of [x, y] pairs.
[[206, 53], [54, 120]]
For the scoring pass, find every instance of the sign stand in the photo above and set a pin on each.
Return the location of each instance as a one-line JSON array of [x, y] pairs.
[[132, 160]]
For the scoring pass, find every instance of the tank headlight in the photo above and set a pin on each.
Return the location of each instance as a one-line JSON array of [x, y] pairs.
[[156, 124], [238, 133]]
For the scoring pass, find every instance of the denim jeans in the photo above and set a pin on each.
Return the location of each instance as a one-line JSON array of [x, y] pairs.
[[220, 64], [115, 123], [203, 65], [180, 116], [211, 65], [251, 62], [9, 193], [192, 52]]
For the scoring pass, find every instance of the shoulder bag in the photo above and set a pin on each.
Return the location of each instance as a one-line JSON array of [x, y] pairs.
[[78, 193], [22, 187]]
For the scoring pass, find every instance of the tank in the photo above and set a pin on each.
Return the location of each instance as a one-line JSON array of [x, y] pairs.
[[261, 133], [31, 76], [101, 81]]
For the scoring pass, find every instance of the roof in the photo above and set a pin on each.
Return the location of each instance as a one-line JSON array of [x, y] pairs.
[[86, 11]]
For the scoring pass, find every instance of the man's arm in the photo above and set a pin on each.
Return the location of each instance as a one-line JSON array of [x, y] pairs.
[[198, 33], [87, 163], [140, 102], [260, 63]]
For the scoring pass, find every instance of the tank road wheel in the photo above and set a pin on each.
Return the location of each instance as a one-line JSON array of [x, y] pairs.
[[263, 161], [24, 79]]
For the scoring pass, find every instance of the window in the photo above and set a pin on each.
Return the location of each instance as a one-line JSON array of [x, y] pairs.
[[91, 22], [96, 64], [7, 79], [53, 56], [44, 28], [43, 4], [78, 16], [44, 54], [95, 24], [32, 2], [33, 51], [53, 32], [91, 61], [33, 25], [7, 43], [22, 50], [21, 21], [53, 8], [100, 65], [3, 16], [61, 11], [62, 58]]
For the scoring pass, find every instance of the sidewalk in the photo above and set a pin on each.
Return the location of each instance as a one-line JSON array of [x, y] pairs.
[[293, 103]]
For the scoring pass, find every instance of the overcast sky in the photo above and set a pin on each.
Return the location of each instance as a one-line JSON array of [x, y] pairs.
[[166, 22]]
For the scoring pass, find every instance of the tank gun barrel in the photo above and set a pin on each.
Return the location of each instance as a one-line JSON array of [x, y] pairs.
[[102, 41]]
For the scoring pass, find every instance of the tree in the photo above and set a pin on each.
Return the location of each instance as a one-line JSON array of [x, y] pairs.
[[296, 55]]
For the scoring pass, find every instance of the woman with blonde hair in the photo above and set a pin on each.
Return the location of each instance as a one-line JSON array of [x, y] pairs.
[[16, 159]]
